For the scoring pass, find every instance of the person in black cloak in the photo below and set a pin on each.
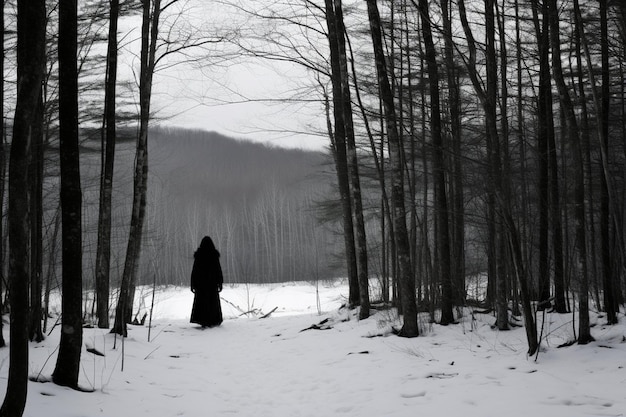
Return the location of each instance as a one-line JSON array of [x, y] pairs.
[[206, 284]]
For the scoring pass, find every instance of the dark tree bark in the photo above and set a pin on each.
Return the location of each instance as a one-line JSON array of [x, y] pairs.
[[103, 252], [510, 288], [378, 163], [338, 146], [407, 102], [601, 103], [497, 184], [522, 145], [555, 197], [31, 26], [36, 215], [403, 250], [68, 360], [510, 235], [610, 304], [545, 130], [548, 187], [3, 168], [441, 196], [457, 195], [353, 169], [578, 140], [571, 127], [149, 35]]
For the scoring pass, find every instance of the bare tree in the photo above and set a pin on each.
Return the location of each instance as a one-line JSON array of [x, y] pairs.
[[407, 280], [353, 168], [607, 215], [342, 124], [544, 139], [30, 53], [575, 139], [155, 51], [3, 168], [36, 218], [509, 231], [68, 360], [441, 193], [103, 251], [149, 33], [456, 194]]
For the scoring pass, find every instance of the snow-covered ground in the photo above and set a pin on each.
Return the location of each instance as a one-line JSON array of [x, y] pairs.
[[252, 366]]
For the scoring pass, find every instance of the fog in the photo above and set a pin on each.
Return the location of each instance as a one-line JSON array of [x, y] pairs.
[[258, 203]]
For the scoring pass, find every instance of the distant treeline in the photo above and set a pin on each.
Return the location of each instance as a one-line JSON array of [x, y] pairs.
[[257, 202]]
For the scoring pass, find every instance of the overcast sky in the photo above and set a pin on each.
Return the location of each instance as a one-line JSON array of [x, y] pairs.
[[243, 98], [242, 101]]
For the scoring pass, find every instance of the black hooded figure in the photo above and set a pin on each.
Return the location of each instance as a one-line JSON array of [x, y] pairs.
[[206, 284]]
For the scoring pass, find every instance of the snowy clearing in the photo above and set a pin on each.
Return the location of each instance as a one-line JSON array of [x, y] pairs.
[[270, 367]]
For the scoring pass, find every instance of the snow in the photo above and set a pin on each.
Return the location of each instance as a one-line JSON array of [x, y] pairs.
[[252, 366]]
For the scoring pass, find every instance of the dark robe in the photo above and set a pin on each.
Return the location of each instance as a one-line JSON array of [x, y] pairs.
[[206, 283]]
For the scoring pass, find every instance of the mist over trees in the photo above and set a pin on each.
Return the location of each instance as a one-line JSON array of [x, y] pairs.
[[258, 203]]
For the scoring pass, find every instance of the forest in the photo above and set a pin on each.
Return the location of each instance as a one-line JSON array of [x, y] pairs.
[[260, 204], [466, 138]]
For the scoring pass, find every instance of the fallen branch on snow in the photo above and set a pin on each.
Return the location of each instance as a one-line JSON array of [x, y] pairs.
[[264, 316], [322, 325]]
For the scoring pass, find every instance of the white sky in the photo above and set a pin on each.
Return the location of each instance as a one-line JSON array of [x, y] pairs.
[[241, 101], [239, 98]]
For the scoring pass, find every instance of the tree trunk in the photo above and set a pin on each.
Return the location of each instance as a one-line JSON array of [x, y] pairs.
[[149, 32], [571, 127], [584, 326], [497, 189], [441, 199], [378, 162], [407, 280], [555, 198], [521, 139], [353, 168], [610, 305], [509, 228], [340, 154], [36, 214], [457, 197], [545, 130], [3, 170], [68, 360], [103, 252], [504, 161], [31, 26]]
